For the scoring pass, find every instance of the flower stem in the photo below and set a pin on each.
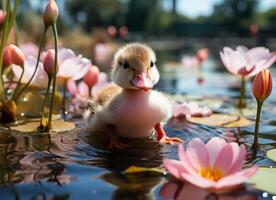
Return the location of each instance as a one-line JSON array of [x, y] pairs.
[[257, 123], [54, 27], [36, 67], [42, 124], [64, 99], [18, 84], [242, 103], [4, 36]]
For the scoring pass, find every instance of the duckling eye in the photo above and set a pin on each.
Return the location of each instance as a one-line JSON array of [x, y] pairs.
[[151, 64], [125, 65]]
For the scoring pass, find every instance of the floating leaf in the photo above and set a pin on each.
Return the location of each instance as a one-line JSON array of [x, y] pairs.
[[223, 120], [264, 179], [57, 126], [136, 169], [271, 154]]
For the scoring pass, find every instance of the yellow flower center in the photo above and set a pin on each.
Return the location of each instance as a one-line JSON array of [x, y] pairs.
[[211, 174]]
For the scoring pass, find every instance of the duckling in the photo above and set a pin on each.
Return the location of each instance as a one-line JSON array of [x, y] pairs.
[[129, 107]]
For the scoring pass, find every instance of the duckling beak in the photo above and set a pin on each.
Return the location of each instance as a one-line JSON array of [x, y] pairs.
[[142, 81]]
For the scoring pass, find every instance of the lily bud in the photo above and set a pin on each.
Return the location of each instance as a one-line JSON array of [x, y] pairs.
[[49, 62], [202, 54], [13, 55], [2, 17], [92, 76], [51, 13], [262, 85]]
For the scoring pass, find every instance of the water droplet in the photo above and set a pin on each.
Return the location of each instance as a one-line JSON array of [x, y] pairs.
[[265, 194]]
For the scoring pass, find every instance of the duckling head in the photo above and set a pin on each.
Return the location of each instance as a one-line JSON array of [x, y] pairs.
[[135, 67]]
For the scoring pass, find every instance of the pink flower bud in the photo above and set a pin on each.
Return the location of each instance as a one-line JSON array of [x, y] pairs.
[[13, 55], [202, 54], [123, 31], [51, 13], [262, 85], [92, 76], [2, 17], [112, 31], [49, 62]]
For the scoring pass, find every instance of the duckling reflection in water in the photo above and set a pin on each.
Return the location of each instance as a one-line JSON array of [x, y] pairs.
[[129, 107]]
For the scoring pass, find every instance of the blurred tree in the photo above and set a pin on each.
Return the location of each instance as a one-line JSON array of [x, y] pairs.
[[145, 15], [270, 17], [235, 12], [96, 12]]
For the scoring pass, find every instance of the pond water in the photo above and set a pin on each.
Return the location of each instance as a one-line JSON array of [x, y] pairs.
[[71, 166]]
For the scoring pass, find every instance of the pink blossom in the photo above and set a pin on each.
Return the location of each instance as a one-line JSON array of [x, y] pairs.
[[103, 53], [70, 67], [81, 92], [40, 78], [202, 54], [92, 76], [2, 17], [190, 61], [123, 31], [190, 110], [111, 30], [247, 62], [101, 83], [49, 62], [29, 49], [215, 166]]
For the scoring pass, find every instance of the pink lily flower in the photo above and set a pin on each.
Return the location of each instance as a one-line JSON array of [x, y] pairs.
[[190, 110], [81, 93], [216, 166], [70, 67], [103, 53], [29, 49], [190, 61], [247, 62], [40, 79], [101, 83]]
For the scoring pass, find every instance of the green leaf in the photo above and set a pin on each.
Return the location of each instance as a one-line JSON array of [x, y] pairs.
[[264, 179], [271, 154]]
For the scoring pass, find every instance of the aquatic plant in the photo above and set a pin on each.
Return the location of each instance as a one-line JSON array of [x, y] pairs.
[[82, 91], [244, 62], [215, 166], [261, 88]]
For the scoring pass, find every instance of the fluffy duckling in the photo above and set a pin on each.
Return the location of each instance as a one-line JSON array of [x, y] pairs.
[[129, 108]]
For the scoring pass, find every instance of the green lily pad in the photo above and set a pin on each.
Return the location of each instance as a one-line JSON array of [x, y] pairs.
[[271, 154], [57, 126], [264, 179], [222, 120]]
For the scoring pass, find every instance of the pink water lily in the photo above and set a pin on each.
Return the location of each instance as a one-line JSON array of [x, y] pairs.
[[190, 110], [29, 49], [70, 67], [40, 79], [216, 165], [247, 62], [81, 93], [190, 61]]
